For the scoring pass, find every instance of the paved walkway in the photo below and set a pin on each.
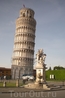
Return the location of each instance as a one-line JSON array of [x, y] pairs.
[[20, 89], [20, 92], [26, 93]]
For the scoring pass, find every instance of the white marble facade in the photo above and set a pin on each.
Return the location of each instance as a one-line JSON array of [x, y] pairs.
[[24, 43]]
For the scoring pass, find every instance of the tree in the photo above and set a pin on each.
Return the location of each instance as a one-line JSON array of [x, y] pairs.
[[58, 68], [50, 68]]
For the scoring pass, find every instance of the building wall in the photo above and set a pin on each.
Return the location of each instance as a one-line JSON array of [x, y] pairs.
[[5, 72]]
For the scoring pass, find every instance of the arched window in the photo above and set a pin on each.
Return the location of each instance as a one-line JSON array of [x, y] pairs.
[[30, 16], [13, 73], [23, 14], [16, 73], [21, 72]]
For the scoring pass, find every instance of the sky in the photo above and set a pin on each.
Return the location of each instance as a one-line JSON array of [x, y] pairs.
[[50, 29]]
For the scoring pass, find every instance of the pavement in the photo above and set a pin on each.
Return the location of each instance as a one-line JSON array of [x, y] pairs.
[[21, 89], [20, 92], [31, 93]]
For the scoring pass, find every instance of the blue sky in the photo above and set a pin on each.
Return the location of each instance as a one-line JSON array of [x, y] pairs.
[[50, 29]]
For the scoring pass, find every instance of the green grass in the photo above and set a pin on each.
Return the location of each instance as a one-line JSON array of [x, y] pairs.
[[9, 84], [59, 75], [1, 84]]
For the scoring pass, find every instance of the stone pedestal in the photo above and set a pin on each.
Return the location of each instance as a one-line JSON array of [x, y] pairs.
[[46, 87], [40, 73], [17, 83]]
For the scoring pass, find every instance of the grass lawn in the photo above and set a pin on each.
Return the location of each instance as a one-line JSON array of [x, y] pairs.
[[9, 84], [1, 84]]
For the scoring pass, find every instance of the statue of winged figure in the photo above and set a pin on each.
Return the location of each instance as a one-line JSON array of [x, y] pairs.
[[40, 56]]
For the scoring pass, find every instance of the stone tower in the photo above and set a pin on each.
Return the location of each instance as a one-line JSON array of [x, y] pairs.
[[24, 42]]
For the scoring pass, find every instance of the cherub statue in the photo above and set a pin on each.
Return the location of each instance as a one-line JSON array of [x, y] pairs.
[[40, 56], [37, 55]]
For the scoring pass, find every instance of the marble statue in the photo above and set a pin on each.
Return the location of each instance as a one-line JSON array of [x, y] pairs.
[[40, 56]]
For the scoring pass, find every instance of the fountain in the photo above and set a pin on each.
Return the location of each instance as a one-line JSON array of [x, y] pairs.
[[40, 82]]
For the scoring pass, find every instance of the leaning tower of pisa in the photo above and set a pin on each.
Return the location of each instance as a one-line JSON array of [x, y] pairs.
[[24, 42]]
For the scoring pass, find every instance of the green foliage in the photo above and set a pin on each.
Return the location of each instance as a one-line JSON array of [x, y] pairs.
[[58, 68], [59, 74], [50, 68]]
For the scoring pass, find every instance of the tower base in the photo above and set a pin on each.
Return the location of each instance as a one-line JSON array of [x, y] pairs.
[[18, 71]]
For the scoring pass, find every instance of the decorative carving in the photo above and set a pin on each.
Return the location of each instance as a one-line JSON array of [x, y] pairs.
[[40, 56]]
